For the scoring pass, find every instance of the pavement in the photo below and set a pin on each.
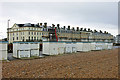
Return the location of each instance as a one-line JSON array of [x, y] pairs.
[[10, 56]]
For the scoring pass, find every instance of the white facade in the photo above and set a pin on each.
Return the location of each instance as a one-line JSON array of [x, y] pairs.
[[3, 50]]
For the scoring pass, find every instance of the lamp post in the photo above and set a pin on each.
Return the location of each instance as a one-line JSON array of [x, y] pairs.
[[8, 29]]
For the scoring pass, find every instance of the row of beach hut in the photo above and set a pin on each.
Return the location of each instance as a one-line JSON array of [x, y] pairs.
[[29, 49], [55, 48]]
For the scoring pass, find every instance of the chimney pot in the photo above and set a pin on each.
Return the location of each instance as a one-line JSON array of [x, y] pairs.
[[40, 24], [77, 28], [45, 24], [68, 27]]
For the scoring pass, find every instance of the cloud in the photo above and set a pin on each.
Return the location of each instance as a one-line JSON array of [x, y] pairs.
[[94, 15]]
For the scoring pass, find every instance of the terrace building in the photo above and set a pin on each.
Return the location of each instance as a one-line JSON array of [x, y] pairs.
[[39, 32], [24, 32], [117, 38], [72, 35]]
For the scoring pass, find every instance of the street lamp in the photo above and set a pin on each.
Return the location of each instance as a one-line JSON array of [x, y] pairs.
[[8, 28]]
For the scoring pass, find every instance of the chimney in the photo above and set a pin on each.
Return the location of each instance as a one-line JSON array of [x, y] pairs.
[[64, 27], [77, 28], [40, 24], [53, 25], [68, 27], [73, 28], [45, 25], [104, 31], [85, 29], [58, 26], [95, 30], [100, 31], [81, 29], [91, 31]]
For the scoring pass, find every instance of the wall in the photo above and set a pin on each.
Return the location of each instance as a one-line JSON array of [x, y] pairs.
[[3, 50]]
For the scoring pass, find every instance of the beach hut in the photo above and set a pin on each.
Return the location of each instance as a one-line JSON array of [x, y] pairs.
[[3, 50], [86, 46], [26, 49]]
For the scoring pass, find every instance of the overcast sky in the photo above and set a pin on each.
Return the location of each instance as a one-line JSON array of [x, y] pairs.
[[95, 15]]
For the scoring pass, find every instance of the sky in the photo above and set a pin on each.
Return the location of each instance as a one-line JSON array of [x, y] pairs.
[[94, 15]]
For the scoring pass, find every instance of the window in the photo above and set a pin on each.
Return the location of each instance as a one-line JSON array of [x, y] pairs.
[[34, 33], [23, 38], [29, 33], [37, 33], [17, 38], [13, 38], [23, 33], [34, 38], [13, 34], [29, 37]]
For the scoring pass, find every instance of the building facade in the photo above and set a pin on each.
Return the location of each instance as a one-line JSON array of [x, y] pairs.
[[117, 39], [24, 32], [39, 32], [82, 35]]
